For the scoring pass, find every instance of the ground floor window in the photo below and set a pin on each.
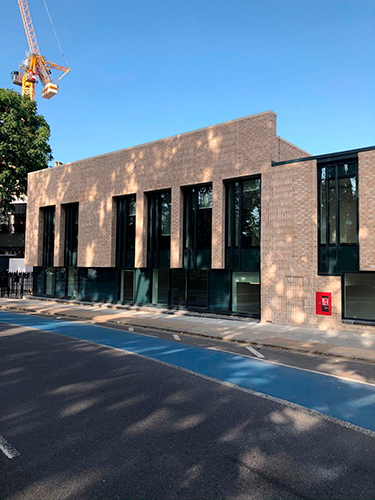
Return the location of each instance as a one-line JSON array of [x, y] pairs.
[[359, 296], [60, 283], [72, 283], [216, 290], [50, 281], [127, 286], [160, 286], [245, 293], [198, 289], [178, 287]]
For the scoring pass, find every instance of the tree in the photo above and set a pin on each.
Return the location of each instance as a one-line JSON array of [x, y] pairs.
[[24, 145]]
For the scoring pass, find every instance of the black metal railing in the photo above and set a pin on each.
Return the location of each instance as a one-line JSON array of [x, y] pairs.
[[15, 285]]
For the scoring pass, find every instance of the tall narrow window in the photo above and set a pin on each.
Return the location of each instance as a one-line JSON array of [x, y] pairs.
[[243, 225], [159, 229], [125, 242], [71, 234], [338, 217], [197, 227], [48, 235]]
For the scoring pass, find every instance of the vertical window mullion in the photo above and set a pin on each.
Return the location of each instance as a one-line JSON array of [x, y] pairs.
[[337, 215], [157, 225], [240, 223], [327, 214], [233, 219], [125, 226], [196, 220], [118, 233]]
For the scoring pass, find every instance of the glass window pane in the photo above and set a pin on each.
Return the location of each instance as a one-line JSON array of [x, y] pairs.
[[204, 229], [332, 211], [348, 210], [50, 281], [204, 217], [160, 286], [331, 172], [125, 238], [4, 222], [178, 277], [165, 202], [60, 281], [229, 209], [127, 286], [48, 236], [251, 213], [237, 215], [346, 169], [38, 281], [71, 234], [132, 205], [130, 233], [189, 222], [323, 212], [98, 284], [197, 289], [246, 293], [165, 221], [72, 289], [205, 197], [219, 290], [359, 296]]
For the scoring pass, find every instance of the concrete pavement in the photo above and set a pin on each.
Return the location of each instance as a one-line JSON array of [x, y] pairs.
[[327, 342]]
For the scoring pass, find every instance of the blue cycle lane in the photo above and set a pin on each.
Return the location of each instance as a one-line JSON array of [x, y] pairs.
[[339, 398]]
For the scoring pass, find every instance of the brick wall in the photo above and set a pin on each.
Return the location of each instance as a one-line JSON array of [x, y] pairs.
[[289, 248], [366, 192], [240, 147], [285, 150]]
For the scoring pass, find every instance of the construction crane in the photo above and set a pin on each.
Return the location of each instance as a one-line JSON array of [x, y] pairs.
[[35, 66]]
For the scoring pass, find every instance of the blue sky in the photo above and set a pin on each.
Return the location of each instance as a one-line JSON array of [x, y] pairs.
[[147, 69]]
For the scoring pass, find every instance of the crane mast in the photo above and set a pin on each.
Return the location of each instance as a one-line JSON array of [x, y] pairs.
[[35, 65]]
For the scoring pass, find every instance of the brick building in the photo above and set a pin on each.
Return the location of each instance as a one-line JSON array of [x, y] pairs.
[[229, 218]]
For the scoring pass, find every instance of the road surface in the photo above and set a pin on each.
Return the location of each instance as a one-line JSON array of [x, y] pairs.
[[93, 412]]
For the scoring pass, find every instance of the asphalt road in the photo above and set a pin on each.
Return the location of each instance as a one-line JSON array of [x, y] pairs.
[[93, 422]]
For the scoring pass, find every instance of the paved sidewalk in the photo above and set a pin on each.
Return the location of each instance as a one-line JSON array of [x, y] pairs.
[[328, 342]]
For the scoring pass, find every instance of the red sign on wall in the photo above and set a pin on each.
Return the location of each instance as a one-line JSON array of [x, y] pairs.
[[324, 303]]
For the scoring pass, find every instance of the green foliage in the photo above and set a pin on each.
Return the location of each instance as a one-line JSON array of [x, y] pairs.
[[24, 144]]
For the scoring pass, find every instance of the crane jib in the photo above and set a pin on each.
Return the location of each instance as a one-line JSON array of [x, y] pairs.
[[35, 66]]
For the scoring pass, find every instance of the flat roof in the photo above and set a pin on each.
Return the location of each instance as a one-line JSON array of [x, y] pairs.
[[328, 156], [208, 127]]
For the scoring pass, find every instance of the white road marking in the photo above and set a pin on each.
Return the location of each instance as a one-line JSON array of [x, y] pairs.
[[333, 375], [262, 395], [176, 337], [7, 448], [254, 351]]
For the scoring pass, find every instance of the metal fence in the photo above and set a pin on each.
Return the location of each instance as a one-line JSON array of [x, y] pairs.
[[15, 285]]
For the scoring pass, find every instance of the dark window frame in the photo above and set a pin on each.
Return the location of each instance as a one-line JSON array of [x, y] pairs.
[[154, 229], [230, 184], [71, 228], [326, 164], [190, 234], [344, 318], [125, 256], [48, 235]]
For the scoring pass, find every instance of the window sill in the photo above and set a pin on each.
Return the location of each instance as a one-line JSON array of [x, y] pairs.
[[358, 322]]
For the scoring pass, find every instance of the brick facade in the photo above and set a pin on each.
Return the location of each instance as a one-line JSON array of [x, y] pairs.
[[239, 148]]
